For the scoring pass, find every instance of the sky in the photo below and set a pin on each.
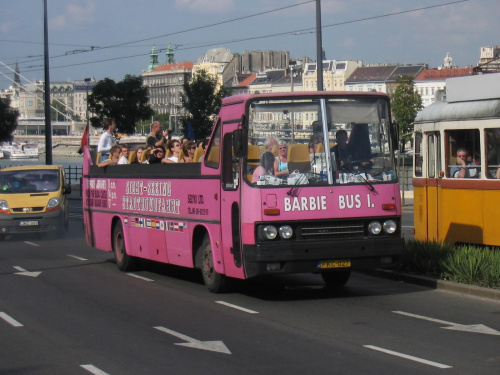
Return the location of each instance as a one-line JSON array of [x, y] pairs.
[[111, 38]]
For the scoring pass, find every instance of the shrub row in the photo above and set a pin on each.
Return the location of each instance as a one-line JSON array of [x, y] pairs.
[[467, 264]]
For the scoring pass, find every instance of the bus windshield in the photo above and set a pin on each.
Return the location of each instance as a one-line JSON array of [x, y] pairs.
[[340, 140]]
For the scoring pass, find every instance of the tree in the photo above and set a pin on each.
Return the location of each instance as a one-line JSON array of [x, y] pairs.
[[145, 125], [58, 111], [125, 101], [202, 100], [8, 120], [406, 103]]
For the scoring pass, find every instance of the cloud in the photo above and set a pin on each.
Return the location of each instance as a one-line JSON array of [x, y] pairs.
[[75, 13], [206, 6]]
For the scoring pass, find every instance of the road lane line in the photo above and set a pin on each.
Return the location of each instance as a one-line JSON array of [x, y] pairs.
[[94, 370], [10, 320], [406, 356], [139, 277], [31, 243], [237, 307], [79, 258]]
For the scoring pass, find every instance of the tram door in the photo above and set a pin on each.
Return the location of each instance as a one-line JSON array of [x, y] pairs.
[[433, 188]]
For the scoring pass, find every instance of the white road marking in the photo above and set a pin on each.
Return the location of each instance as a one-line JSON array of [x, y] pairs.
[[79, 258], [10, 320], [237, 307], [24, 272], [213, 346], [476, 328], [139, 277], [31, 243], [94, 370], [406, 356]]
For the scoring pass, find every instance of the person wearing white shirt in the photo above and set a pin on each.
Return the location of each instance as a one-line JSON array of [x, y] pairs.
[[106, 141], [125, 154]]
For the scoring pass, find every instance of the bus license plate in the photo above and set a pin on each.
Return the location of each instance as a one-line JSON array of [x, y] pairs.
[[28, 223], [343, 263]]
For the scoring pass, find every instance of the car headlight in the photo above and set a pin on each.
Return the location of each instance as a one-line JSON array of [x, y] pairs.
[[270, 232], [4, 206], [374, 227], [53, 202], [390, 226], [286, 232]]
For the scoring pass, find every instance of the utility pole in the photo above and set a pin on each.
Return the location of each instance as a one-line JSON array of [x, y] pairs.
[[319, 48], [48, 124]]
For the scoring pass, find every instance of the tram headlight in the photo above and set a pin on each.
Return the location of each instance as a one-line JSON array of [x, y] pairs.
[[270, 232], [374, 227], [286, 232], [390, 226]]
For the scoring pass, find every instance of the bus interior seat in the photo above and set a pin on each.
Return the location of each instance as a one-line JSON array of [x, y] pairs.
[[298, 157], [181, 156], [198, 153], [253, 156], [131, 157]]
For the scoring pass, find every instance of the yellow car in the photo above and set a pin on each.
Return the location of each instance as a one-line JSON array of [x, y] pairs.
[[33, 198]]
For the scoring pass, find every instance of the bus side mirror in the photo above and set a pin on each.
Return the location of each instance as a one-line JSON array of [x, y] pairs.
[[240, 142]]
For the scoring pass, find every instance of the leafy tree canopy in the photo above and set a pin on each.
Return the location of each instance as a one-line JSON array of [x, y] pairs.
[[144, 126], [8, 120], [406, 103], [125, 101], [202, 100]]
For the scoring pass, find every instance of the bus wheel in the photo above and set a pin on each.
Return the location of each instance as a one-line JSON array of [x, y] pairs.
[[215, 282], [336, 278], [124, 261]]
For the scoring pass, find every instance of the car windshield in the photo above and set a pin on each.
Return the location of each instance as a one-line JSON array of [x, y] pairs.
[[29, 181], [290, 144]]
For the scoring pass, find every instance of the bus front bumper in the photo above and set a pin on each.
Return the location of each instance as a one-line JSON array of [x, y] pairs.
[[306, 257]]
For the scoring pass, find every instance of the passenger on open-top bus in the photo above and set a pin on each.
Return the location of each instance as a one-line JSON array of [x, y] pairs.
[[156, 155], [125, 153], [156, 137], [358, 146], [175, 148], [106, 141], [270, 143], [188, 148], [138, 155], [114, 156]]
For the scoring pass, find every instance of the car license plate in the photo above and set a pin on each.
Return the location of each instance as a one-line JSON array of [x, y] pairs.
[[342, 263], [28, 223]]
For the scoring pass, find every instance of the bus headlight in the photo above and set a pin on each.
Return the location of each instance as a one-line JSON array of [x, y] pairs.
[[374, 227], [286, 232], [270, 232], [390, 226]]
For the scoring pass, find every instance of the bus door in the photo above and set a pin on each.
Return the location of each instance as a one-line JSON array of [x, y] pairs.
[[433, 184], [230, 209]]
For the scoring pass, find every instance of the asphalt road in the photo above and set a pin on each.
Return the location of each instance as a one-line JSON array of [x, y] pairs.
[[65, 308]]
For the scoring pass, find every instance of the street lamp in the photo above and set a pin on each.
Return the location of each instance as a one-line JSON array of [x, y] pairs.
[[87, 81]]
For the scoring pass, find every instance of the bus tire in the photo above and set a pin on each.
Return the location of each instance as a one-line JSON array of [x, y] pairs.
[[214, 281], [335, 279], [124, 261]]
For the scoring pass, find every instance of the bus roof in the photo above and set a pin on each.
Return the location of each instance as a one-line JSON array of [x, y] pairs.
[[245, 97]]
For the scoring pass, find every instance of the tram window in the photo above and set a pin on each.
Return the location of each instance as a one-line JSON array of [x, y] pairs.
[[418, 155], [492, 141], [463, 144], [433, 155]]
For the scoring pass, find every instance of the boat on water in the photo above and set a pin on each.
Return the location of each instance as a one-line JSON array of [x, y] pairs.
[[19, 150], [1, 155]]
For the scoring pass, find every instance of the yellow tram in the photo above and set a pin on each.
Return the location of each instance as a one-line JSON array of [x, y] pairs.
[[456, 164]]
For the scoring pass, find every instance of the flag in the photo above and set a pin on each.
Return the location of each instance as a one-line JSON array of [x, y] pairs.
[[85, 140]]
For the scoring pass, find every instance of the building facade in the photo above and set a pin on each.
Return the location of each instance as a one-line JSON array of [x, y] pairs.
[[335, 74]]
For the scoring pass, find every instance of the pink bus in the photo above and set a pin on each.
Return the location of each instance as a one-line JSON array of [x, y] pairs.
[[273, 194]]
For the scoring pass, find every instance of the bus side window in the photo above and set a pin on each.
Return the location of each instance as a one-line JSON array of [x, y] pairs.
[[230, 164], [418, 155]]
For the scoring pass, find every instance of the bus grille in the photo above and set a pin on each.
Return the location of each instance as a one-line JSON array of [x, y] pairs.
[[331, 230]]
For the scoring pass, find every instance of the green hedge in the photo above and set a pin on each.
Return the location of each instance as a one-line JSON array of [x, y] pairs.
[[464, 263]]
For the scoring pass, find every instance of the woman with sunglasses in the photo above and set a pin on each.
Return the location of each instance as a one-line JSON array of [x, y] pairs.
[[188, 148], [281, 161], [175, 148]]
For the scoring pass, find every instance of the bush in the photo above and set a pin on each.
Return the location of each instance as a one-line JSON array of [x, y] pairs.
[[465, 264]]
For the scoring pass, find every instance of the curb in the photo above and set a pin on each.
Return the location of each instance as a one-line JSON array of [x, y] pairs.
[[433, 283]]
